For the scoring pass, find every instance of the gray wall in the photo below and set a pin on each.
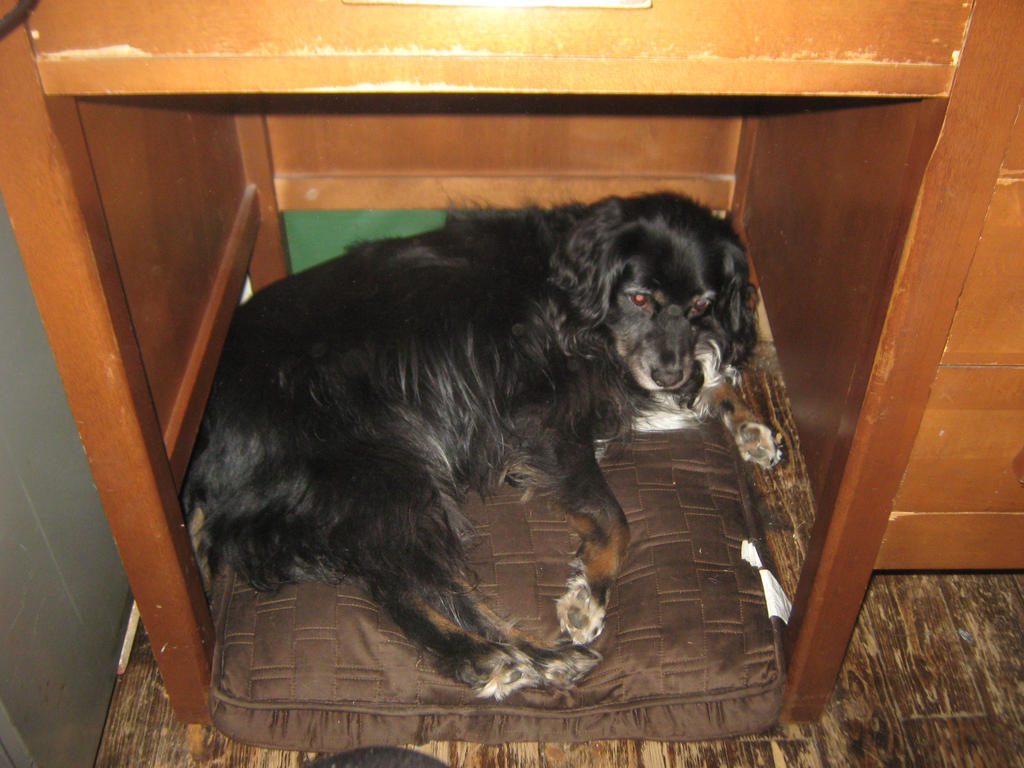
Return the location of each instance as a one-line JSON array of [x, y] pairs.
[[64, 596]]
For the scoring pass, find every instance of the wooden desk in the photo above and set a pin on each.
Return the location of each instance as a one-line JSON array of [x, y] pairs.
[[148, 150]]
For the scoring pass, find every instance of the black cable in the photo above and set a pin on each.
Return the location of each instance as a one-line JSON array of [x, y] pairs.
[[15, 16]]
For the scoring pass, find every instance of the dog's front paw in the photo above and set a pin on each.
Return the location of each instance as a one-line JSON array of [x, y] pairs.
[[757, 444], [580, 613]]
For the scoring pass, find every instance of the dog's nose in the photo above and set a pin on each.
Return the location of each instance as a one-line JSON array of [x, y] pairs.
[[671, 368], [668, 376]]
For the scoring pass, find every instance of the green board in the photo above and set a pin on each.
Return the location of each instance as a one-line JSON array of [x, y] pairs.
[[314, 236]]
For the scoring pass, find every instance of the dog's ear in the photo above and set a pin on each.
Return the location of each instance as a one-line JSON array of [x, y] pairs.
[[734, 309], [586, 266]]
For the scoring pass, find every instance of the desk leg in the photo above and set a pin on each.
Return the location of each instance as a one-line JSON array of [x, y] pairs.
[[54, 209], [949, 217]]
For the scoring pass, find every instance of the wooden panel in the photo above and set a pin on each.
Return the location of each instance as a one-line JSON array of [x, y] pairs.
[[971, 431], [500, 158], [1014, 160], [952, 541], [677, 46], [211, 330], [505, 144], [171, 182], [269, 262], [56, 216], [827, 200], [432, 192], [988, 328]]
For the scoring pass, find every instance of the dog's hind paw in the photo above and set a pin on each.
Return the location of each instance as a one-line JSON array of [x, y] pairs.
[[507, 669], [757, 445], [580, 614], [501, 673], [565, 666]]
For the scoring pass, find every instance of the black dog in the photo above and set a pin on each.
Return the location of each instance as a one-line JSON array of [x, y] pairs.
[[357, 403]]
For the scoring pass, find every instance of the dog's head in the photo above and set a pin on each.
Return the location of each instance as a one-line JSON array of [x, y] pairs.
[[659, 274]]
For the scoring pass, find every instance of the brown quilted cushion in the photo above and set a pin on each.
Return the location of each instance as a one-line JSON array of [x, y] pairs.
[[689, 651]]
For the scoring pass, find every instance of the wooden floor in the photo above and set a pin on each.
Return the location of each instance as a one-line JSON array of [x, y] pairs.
[[934, 675]]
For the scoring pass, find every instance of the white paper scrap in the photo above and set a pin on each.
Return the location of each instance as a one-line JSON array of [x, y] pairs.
[[778, 604], [749, 553]]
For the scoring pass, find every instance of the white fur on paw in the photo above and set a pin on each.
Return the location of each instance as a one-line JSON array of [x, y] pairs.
[[579, 613], [757, 444], [568, 665], [508, 671]]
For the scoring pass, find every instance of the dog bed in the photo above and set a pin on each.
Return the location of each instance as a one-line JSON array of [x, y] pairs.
[[689, 650]]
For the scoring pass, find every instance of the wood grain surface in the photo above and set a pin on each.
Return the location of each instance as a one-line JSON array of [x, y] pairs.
[[891, 47]]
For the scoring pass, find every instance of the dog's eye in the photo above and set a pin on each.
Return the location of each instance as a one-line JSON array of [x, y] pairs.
[[642, 300], [699, 307]]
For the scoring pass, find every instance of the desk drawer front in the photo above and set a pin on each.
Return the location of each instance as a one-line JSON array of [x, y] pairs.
[[675, 46], [988, 328], [972, 430]]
